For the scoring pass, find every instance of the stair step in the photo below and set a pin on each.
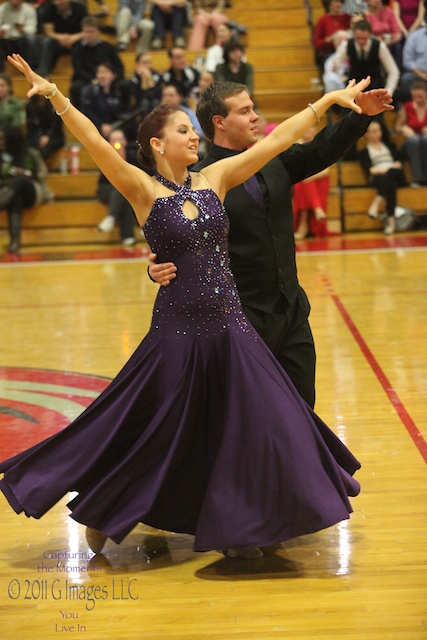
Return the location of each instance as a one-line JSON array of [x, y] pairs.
[[268, 17]]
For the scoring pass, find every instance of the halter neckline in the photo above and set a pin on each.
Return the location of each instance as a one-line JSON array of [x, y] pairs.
[[172, 185]]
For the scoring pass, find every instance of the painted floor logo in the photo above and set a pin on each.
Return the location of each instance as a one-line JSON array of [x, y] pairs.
[[36, 403]]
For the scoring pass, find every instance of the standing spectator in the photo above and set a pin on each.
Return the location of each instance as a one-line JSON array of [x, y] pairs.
[[382, 165], [414, 60], [412, 123], [215, 53], [169, 15], [207, 14], [12, 111], [386, 28], [310, 200], [132, 25], [62, 29], [87, 54], [234, 69], [44, 128], [180, 74], [119, 210], [22, 173], [409, 15], [330, 29], [106, 100], [18, 27], [360, 56]]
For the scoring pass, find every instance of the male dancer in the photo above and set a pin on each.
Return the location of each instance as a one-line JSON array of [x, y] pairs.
[[261, 239]]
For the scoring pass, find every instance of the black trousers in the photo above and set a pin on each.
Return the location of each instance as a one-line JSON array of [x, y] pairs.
[[386, 185], [287, 333], [119, 208]]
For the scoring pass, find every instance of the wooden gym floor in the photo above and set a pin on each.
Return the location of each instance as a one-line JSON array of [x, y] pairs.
[[68, 322]]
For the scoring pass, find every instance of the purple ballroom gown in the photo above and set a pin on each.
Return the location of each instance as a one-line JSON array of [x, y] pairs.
[[201, 432]]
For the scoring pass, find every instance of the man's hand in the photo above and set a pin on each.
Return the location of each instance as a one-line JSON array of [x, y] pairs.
[[375, 101], [161, 273]]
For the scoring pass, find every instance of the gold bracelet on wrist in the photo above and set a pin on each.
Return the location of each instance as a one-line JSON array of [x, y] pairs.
[[53, 92]]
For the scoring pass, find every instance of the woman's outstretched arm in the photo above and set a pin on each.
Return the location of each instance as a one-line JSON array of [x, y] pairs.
[[132, 182]]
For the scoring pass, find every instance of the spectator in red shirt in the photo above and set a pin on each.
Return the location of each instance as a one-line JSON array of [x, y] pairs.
[[330, 29]]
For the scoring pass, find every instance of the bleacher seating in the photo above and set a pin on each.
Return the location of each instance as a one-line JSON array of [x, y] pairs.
[[278, 45]]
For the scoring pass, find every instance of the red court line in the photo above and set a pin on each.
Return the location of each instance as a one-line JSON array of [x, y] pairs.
[[399, 407]]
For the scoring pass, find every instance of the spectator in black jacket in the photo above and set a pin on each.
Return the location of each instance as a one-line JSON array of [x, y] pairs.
[[44, 128], [87, 54], [106, 100]]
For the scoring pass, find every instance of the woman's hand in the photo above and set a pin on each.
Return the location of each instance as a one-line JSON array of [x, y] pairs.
[[39, 85], [346, 97]]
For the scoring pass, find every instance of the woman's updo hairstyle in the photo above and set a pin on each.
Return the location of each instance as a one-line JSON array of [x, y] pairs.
[[152, 126]]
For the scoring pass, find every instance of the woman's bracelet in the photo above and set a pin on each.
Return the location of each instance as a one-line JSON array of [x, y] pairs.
[[61, 113], [314, 111], [53, 92]]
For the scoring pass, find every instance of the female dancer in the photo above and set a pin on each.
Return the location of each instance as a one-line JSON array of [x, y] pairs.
[[202, 431]]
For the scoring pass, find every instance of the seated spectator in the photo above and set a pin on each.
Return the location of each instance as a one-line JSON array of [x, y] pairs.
[[62, 29], [145, 85], [44, 128], [22, 176], [386, 28], [132, 25], [207, 14], [180, 74], [87, 54], [172, 97], [169, 15], [409, 15], [12, 112], [106, 100], [18, 28], [414, 61], [234, 69], [145, 90], [310, 200], [412, 123], [120, 211], [358, 57], [215, 53], [206, 78], [330, 29], [381, 162]]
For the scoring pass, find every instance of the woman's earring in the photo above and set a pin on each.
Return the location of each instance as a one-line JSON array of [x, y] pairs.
[[161, 152]]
